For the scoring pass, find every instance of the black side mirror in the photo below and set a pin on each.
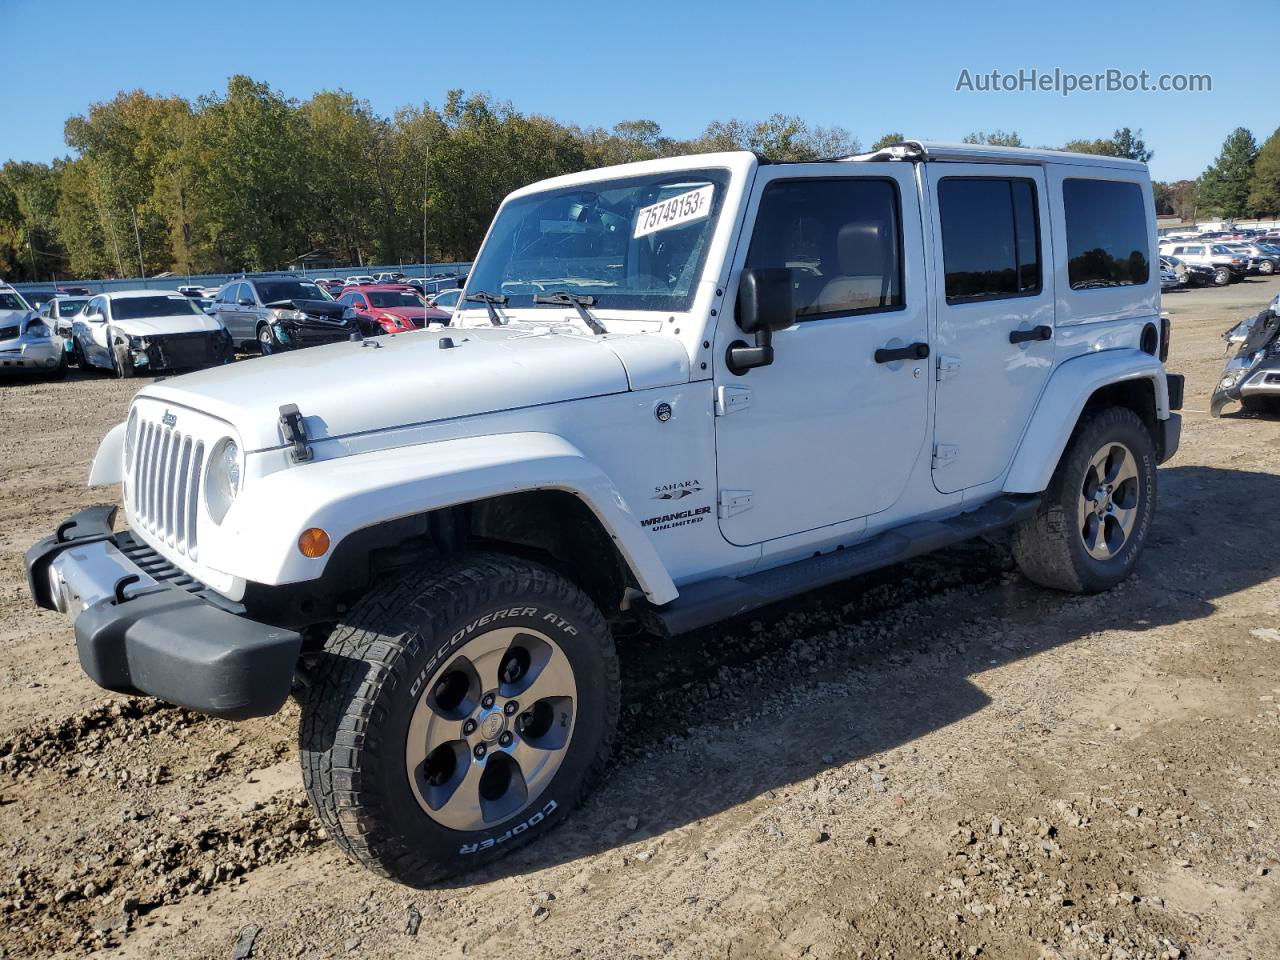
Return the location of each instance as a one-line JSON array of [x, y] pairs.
[[764, 305], [245, 302]]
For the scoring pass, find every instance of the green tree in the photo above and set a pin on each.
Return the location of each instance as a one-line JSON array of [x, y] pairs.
[[780, 138], [887, 139], [1224, 187], [1124, 142], [996, 138], [1264, 188]]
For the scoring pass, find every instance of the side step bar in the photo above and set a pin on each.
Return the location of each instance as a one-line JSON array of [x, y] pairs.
[[722, 598]]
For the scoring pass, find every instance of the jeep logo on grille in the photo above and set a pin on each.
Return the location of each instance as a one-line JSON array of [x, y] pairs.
[[169, 418]]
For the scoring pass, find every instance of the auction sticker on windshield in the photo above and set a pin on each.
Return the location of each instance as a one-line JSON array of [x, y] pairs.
[[682, 208]]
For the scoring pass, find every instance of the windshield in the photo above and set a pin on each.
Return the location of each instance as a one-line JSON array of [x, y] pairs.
[[145, 308], [273, 291], [10, 300], [67, 307], [393, 298], [634, 244]]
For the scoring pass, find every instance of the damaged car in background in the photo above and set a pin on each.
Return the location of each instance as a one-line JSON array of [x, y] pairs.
[[147, 331], [27, 343], [1252, 374], [280, 314]]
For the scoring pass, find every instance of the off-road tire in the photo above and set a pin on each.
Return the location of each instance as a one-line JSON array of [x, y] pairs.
[[1049, 546], [383, 658]]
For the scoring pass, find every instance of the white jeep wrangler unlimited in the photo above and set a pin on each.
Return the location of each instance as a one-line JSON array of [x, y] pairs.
[[676, 391]]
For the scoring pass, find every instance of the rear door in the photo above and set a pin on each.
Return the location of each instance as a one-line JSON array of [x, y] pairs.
[[831, 430], [994, 344]]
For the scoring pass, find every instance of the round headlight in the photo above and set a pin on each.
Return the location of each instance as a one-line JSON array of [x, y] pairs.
[[130, 438], [222, 481]]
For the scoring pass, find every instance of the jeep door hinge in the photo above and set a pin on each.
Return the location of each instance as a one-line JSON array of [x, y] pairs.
[[733, 502], [295, 433], [947, 366], [944, 453], [731, 400]]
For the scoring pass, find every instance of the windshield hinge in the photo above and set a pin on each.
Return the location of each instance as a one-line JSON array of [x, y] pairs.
[[295, 432], [734, 502], [732, 399], [947, 366]]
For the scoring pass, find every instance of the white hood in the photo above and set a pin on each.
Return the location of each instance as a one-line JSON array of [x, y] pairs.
[[387, 382], [160, 326]]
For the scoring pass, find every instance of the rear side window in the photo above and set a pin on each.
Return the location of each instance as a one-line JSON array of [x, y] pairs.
[[990, 238], [841, 240], [1108, 242]]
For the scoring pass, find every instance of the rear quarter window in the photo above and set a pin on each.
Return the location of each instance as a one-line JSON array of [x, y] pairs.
[[1108, 243]]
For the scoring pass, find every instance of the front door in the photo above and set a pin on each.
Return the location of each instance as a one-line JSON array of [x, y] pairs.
[[827, 432], [994, 343]]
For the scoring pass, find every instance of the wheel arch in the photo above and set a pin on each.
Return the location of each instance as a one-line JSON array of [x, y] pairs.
[[531, 494], [1126, 377]]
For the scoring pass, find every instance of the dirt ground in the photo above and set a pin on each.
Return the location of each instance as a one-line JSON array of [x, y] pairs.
[[938, 760]]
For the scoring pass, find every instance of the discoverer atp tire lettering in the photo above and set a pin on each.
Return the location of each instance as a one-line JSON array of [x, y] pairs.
[[394, 659]]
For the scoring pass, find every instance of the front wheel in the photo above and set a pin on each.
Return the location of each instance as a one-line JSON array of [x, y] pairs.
[[121, 362], [1091, 525], [1221, 276], [456, 714], [266, 340]]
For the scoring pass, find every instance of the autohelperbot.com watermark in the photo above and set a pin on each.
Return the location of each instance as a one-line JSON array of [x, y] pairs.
[[1065, 82]]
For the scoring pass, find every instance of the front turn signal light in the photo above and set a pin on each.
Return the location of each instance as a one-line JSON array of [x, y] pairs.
[[313, 543]]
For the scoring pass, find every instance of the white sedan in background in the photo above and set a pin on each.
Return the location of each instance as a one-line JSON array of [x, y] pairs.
[[146, 331]]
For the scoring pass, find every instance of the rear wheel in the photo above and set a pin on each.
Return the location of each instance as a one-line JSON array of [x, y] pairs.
[[1091, 526], [456, 714], [1266, 267]]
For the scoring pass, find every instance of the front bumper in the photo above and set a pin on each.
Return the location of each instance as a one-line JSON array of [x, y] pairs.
[[142, 626], [179, 351], [21, 354]]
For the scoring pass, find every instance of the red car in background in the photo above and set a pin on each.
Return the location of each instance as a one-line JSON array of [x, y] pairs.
[[396, 307]]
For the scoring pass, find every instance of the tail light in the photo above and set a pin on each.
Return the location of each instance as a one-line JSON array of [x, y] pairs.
[[1165, 329]]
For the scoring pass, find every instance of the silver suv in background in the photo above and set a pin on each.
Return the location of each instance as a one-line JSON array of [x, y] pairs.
[[281, 313]]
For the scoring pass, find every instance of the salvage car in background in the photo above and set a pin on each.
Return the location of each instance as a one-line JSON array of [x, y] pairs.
[[26, 342], [1227, 265], [1189, 274], [283, 314], [146, 331], [59, 314], [394, 308]]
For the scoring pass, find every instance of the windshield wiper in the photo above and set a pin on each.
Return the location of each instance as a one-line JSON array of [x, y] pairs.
[[579, 302], [489, 299]]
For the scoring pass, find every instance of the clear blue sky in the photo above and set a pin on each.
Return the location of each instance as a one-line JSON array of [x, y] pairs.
[[869, 67]]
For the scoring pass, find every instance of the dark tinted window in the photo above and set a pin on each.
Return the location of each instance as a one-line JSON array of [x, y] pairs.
[[393, 298], [142, 308], [990, 238], [273, 291], [1107, 238], [841, 240]]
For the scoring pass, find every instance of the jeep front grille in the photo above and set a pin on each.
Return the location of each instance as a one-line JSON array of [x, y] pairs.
[[165, 491]]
